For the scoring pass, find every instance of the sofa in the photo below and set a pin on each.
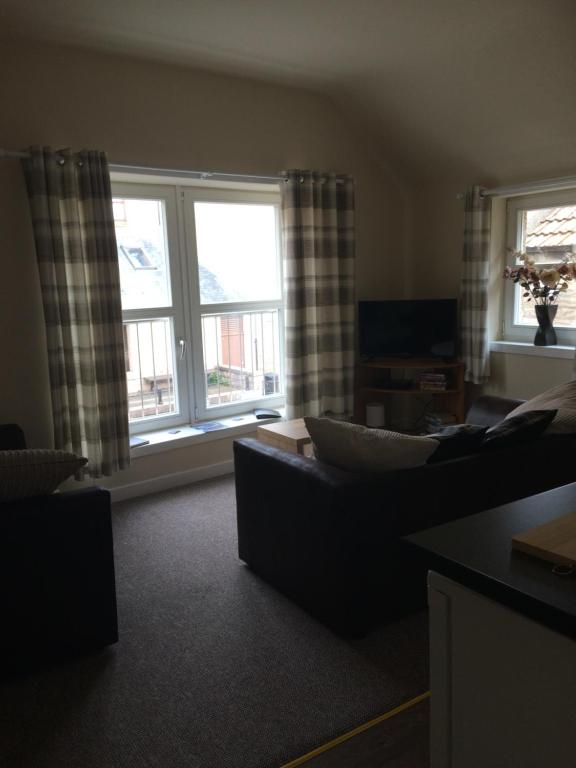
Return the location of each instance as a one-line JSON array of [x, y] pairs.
[[331, 540], [57, 585]]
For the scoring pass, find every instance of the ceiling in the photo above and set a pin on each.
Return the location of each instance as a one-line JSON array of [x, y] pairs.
[[461, 86]]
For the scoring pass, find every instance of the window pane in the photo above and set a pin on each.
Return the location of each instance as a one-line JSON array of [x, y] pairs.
[[142, 253], [549, 234], [149, 346], [237, 256], [565, 315], [241, 356]]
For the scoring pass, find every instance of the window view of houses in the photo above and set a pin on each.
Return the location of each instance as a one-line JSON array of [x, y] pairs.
[[241, 356], [549, 235], [240, 348]]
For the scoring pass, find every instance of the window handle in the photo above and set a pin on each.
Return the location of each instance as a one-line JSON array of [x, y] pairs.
[[182, 345]]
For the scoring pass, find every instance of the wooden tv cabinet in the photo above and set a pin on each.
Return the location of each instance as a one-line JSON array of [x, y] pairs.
[[371, 374]]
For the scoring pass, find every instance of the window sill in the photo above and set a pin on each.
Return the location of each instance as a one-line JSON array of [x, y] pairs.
[[162, 440], [525, 348]]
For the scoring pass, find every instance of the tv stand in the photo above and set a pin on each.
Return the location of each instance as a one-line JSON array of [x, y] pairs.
[[373, 379]]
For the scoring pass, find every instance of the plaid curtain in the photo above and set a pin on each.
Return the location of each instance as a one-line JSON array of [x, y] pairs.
[[318, 235], [71, 206], [474, 290]]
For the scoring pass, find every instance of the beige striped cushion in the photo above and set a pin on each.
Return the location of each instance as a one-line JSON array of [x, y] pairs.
[[561, 398], [35, 472], [361, 449]]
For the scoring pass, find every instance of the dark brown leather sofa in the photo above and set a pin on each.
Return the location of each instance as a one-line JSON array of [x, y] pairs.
[[331, 540]]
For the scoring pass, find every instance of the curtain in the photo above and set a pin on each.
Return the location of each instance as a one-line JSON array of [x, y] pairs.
[[318, 237], [71, 207], [474, 290]]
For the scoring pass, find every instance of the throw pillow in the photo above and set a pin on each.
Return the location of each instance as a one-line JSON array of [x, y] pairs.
[[515, 430], [35, 472], [361, 449], [456, 441], [562, 399]]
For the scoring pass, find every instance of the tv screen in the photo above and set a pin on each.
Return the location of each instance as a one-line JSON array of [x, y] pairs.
[[408, 328]]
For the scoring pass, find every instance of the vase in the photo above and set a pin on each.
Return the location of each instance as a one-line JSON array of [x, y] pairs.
[[545, 335]]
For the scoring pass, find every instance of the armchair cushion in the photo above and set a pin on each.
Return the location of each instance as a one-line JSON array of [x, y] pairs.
[[360, 449], [35, 472], [518, 429], [561, 399], [456, 441]]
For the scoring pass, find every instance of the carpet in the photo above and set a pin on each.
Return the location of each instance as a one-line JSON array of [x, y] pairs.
[[214, 668]]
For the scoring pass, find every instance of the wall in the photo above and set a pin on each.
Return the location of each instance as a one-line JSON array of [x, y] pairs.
[[167, 116]]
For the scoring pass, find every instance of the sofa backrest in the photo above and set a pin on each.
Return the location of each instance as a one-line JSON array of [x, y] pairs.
[[488, 410], [11, 438]]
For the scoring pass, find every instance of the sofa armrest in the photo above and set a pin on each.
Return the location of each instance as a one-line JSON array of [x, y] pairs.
[[487, 411], [57, 585], [270, 486]]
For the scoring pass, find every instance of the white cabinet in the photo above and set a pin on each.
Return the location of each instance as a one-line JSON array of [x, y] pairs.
[[503, 686]]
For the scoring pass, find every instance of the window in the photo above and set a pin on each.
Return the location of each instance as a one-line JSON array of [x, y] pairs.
[[201, 282], [543, 225]]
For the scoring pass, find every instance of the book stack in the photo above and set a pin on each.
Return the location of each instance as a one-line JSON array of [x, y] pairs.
[[432, 382], [437, 420]]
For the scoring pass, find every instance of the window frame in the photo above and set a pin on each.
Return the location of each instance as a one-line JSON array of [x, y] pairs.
[[193, 195], [175, 311], [512, 331], [179, 196]]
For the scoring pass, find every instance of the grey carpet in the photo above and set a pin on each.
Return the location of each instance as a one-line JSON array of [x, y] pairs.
[[214, 668]]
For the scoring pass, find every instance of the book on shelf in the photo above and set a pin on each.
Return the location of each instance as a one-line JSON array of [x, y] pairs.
[[433, 386], [432, 382], [432, 377]]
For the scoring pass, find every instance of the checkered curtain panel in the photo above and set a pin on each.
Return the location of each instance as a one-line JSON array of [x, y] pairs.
[[318, 237], [474, 290], [71, 206]]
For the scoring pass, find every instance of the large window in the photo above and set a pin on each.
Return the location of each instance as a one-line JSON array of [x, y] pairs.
[[201, 281], [544, 226]]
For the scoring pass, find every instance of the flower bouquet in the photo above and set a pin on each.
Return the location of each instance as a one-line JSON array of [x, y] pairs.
[[543, 285]]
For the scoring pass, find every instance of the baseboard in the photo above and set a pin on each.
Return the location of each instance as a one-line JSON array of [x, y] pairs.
[[165, 482]]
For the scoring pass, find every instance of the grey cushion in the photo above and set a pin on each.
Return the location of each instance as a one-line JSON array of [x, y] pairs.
[[35, 472], [518, 429], [562, 399], [457, 440], [361, 449]]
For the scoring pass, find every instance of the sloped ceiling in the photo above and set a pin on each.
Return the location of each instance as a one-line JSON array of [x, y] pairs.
[[477, 88]]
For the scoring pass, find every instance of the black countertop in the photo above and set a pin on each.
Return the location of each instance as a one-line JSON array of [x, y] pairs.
[[476, 552]]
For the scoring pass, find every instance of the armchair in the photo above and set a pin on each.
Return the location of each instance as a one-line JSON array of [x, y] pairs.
[[57, 585]]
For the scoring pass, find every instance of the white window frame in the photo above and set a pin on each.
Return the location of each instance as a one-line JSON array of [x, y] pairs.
[[513, 331], [175, 311], [179, 198], [193, 195]]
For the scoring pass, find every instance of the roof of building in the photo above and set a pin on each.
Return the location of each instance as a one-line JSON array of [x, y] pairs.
[[556, 227]]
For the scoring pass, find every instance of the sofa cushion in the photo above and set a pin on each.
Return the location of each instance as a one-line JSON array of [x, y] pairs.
[[35, 472], [456, 441], [518, 429], [562, 399], [360, 449]]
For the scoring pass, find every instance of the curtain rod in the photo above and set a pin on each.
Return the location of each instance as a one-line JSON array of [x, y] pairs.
[[6, 154], [206, 175], [529, 188], [214, 175]]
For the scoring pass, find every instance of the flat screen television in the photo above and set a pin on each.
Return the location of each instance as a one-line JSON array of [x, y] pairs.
[[408, 328]]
